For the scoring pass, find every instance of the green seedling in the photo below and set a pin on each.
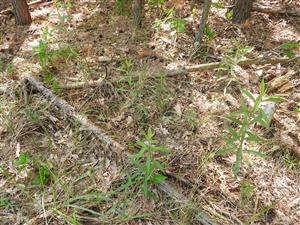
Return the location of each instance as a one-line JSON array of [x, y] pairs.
[[9, 69], [156, 3], [229, 15], [246, 193], [209, 33], [126, 68], [50, 80], [43, 175], [244, 119], [178, 25], [290, 47], [148, 169], [291, 162], [5, 203], [191, 118], [23, 159]]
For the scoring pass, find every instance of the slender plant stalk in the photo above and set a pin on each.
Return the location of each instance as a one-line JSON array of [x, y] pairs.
[[203, 21]]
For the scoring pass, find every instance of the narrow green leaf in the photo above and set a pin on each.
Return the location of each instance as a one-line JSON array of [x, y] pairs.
[[275, 99], [234, 120], [158, 178], [224, 151], [248, 94], [256, 153]]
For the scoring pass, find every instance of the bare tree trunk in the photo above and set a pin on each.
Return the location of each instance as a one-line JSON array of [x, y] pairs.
[[203, 22], [138, 6], [241, 10], [21, 11]]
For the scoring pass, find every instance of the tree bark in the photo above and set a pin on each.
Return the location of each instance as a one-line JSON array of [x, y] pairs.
[[203, 21], [21, 11], [241, 10], [138, 6]]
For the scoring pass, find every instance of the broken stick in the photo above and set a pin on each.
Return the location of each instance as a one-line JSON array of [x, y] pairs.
[[209, 66]]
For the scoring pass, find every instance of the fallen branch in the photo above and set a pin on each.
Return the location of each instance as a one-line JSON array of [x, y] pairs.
[[87, 125], [215, 65], [278, 11], [78, 85], [186, 70]]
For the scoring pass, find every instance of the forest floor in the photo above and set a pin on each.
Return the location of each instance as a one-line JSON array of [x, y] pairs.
[[54, 171]]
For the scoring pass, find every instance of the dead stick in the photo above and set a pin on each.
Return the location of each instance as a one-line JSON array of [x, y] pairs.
[[278, 11], [86, 124], [78, 85], [215, 65]]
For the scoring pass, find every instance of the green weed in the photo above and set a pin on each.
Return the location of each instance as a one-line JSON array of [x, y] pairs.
[[291, 162], [5, 203], [10, 69], [290, 47], [244, 119], [178, 25], [148, 169], [191, 118], [50, 80], [209, 33], [229, 15], [156, 3], [246, 193]]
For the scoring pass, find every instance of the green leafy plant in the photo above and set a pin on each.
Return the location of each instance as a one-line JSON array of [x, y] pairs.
[[52, 82], [23, 159], [290, 47], [120, 5], [244, 119], [217, 5], [5, 203], [229, 15], [1, 65], [234, 56], [9, 69], [191, 118], [209, 33], [43, 175], [156, 3], [230, 61], [291, 162], [148, 169], [32, 115], [246, 192], [126, 67], [42, 51], [178, 25]]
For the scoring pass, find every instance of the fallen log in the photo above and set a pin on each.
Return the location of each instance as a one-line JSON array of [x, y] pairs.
[[78, 85], [87, 125]]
